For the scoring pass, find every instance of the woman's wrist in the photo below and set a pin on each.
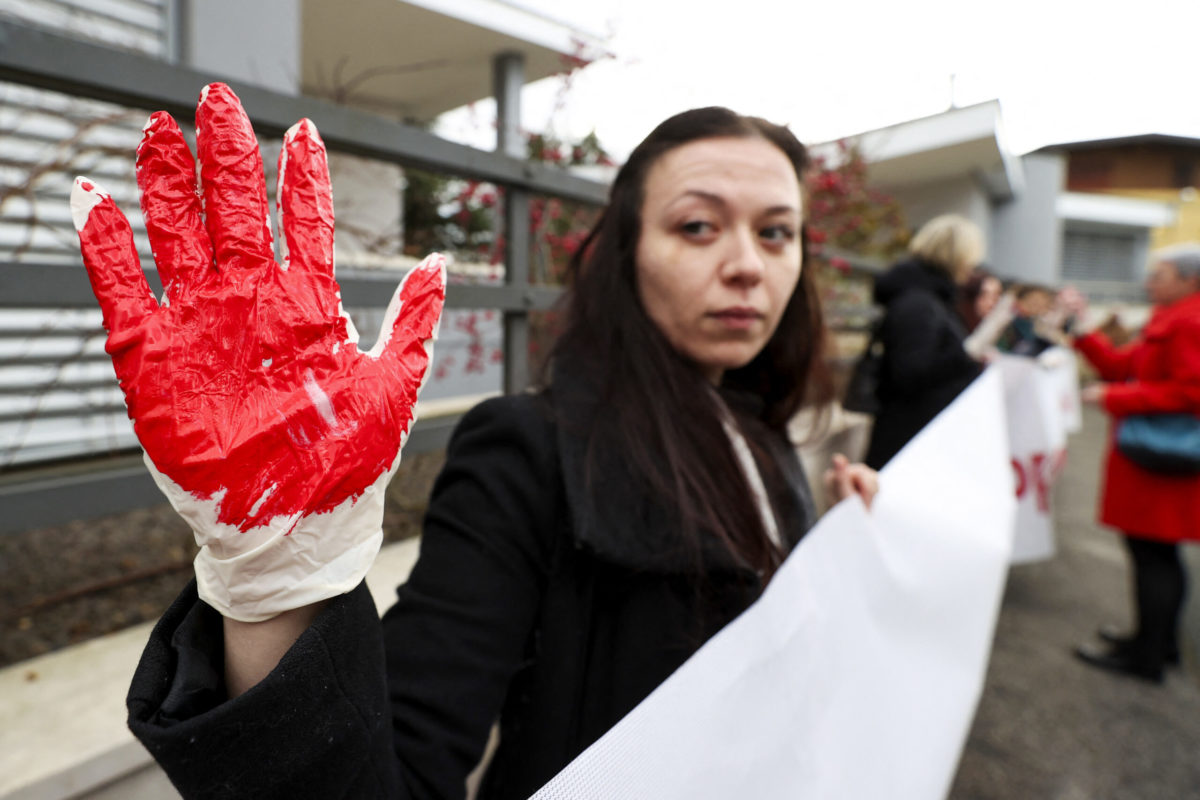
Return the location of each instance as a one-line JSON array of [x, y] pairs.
[[253, 649]]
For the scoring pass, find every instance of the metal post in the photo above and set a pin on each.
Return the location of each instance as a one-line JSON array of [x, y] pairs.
[[508, 77], [175, 45], [508, 72]]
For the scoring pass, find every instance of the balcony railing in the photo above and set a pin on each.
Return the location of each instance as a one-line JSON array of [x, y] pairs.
[[48, 494]]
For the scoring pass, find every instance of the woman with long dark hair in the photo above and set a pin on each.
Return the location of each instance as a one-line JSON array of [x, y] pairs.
[[581, 542], [977, 296]]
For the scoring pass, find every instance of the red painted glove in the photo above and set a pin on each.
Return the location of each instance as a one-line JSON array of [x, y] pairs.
[[263, 423]]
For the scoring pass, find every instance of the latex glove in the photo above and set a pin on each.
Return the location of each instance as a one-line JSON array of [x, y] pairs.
[[267, 428]]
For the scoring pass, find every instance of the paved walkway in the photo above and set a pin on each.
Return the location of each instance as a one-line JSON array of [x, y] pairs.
[[1050, 728]]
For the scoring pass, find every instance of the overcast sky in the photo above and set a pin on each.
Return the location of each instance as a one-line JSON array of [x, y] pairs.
[[1063, 70]]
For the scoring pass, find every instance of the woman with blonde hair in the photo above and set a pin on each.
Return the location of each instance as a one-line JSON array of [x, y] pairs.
[[924, 363]]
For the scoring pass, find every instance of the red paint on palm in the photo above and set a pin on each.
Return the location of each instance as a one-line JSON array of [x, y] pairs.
[[246, 385]]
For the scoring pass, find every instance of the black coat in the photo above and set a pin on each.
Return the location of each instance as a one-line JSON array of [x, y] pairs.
[[924, 364], [527, 604]]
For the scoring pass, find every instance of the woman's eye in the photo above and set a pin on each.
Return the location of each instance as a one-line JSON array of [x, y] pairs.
[[696, 227], [778, 234]]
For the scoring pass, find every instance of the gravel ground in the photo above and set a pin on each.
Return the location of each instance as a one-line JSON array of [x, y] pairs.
[[64, 585], [1050, 727]]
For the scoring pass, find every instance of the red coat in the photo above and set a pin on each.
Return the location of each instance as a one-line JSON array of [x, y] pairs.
[[1159, 372]]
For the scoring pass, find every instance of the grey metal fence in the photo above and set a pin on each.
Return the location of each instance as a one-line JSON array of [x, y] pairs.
[[34, 496]]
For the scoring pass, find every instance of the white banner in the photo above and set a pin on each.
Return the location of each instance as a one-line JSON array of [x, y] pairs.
[[857, 673], [1041, 399]]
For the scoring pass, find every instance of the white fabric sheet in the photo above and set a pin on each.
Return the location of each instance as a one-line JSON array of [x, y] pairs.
[[1041, 398], [857, 673]]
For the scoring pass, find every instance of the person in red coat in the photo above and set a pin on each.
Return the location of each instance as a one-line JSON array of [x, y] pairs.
[[1158, 372]]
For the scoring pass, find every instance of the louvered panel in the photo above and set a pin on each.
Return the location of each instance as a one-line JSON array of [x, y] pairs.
[[1099, 256], [60, 403], [137, 25], [31, 378], [58, 394], [25, 442]]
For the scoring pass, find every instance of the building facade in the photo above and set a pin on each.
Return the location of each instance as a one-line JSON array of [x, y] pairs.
[[1086, 213]]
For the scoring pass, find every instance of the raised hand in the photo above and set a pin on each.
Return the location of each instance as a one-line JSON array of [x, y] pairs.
[[262, 421]]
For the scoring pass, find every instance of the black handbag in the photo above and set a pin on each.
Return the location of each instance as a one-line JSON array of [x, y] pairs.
[[862, 391], [1167, 443]]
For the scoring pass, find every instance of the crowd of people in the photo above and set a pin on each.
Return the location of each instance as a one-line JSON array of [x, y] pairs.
[[584, 539], [945, 316]]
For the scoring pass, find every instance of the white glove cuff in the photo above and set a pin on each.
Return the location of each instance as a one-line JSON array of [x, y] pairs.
[[290, 562]]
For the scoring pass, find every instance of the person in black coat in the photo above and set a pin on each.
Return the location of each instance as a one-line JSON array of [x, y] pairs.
[[581, 542], [924, 363]]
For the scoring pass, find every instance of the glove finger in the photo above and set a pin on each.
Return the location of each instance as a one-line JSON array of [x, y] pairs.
[[305, 202], [232, 182], [410, 325], [166, 176], [112, 261]]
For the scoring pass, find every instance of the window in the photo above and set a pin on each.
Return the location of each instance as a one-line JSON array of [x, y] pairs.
[[1090, 255], [1184, 173]]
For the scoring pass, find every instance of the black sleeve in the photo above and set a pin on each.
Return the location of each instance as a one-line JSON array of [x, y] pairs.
[[461, 625], [922, 345], [330, 720], [315, 727]]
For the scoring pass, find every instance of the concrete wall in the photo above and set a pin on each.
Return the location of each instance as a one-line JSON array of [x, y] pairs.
[[923, 202], [1025, 239], [1024, 234], [255, 42]]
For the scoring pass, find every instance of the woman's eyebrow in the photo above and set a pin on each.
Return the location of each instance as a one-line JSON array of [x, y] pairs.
[[718, 200], [708, 197], [781, 209]]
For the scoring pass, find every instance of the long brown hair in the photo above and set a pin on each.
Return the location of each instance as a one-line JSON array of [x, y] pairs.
[[653, 402]]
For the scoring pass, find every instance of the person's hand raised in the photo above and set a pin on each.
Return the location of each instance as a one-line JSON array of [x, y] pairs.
[[262, 421]]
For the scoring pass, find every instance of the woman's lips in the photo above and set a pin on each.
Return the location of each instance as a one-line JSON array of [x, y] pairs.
[[737, 317]]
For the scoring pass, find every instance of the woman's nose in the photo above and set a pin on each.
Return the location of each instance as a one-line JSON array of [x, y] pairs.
[[744, 261]]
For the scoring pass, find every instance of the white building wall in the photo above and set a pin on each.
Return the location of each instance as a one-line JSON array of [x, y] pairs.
[[962, 195], [255, 42], [1026, 232]]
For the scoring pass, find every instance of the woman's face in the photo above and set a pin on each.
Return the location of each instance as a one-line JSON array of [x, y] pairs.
[[1164, 284], [989, 295], [719, 254]]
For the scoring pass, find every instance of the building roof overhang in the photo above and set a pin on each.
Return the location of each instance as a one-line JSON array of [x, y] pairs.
[[414, 59], [960, 142], [1140, 140]]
